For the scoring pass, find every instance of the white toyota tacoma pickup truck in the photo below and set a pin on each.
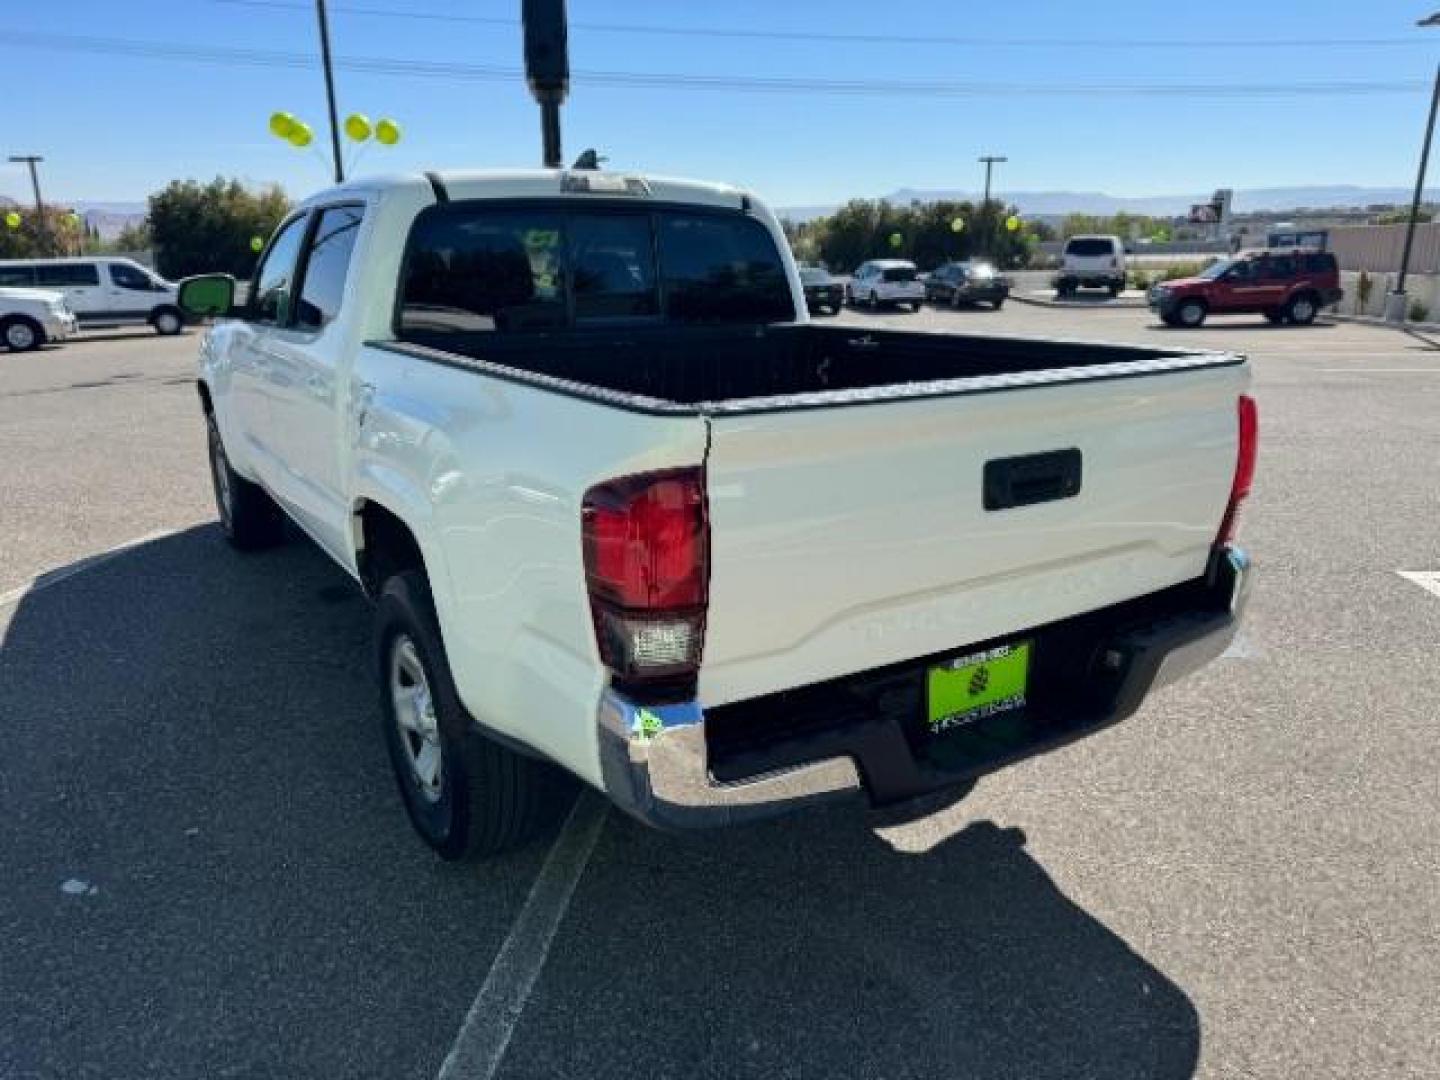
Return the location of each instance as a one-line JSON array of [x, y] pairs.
[[622, 508]]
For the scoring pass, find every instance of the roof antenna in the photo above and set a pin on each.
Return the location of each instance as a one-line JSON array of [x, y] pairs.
[[547, 68], [589, 159]]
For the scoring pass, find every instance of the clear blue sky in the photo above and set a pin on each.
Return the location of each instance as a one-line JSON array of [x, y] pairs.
[[116, 127]]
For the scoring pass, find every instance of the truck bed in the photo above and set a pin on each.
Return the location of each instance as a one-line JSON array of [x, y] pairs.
[[748, 369]]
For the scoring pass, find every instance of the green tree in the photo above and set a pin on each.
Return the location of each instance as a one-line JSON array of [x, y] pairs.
[[1400, 217], [864, 229], [206, 228], [132, 238]]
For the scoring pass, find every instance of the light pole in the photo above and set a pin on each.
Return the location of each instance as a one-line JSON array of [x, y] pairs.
[[989, 161], [1395, 301], [329, 88], [32, 160]]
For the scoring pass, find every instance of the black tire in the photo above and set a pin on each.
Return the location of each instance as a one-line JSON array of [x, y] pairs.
[[915, 306], [999, 303], [1274, 318], [487, 798], [167, 320], [248, 516], [1116, 290], [1170, 321], [874, 301], [1302, 309], [20, 333], [1191, 313]]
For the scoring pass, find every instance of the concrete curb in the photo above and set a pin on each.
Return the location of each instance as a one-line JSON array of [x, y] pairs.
[[1080, 305], [1375, 320]]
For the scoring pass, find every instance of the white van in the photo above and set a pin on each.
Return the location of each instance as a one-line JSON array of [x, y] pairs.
[[101, 291], [1091, 262]]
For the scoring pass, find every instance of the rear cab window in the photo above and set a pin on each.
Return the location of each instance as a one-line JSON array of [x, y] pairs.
[[473, 267], [1090, 246], [899, 273]]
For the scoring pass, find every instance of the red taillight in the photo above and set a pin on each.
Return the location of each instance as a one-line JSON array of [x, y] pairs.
[[1249, 420], [647, 566]]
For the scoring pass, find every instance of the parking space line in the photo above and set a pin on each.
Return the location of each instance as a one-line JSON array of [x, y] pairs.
[[64, 573], [1429, 580], [484, 1036]]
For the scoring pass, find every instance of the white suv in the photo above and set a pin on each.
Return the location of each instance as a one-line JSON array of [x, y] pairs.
[[886, 281], [101, 291], [1091, 262], [31, 317]]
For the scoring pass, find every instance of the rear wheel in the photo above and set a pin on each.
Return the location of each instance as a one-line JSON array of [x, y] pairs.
[[1274, 318], [1302, 310], [21, 333], [1191, 313], [1116, 290], [467, 796], [999, 302], [248, 516]]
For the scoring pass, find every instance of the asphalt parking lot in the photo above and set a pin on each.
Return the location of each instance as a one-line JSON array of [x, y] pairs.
[[207, 871]]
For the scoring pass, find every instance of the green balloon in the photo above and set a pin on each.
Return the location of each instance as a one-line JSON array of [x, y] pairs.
[[958, 225], [1012, 223], [12, 220], [387, 132], [896, 239], [282, 124], [256, 244], [357, 127], [300, 136]]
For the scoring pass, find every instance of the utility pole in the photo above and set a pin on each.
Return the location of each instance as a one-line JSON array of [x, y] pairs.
[[32, 160], [1395, 300], [330, 89], [989, 160]]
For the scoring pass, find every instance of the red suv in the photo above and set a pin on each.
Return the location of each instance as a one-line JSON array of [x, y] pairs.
[[1284, 286]]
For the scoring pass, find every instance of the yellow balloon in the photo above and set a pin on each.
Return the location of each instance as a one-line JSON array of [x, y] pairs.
[[300, 136], [282, 124], [12, 220], [1012, 223], [357, 126], [958, 225], [256, 244], [387, 132]]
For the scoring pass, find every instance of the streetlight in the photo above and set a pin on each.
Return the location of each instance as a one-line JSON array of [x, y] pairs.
[[1395, 301], [32, 160], [988, 236], [989, 160]]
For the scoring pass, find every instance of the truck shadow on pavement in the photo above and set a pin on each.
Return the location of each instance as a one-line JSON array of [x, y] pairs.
[[193, 734]]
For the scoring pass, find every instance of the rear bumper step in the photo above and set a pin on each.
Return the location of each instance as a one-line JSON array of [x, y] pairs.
[[676, 766]]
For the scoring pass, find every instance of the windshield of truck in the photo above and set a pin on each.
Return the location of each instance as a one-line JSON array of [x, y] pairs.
[[1090, 246], [899, 273], [470, 267]]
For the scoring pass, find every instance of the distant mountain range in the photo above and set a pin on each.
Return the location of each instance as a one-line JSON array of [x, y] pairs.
[[1046, 203]]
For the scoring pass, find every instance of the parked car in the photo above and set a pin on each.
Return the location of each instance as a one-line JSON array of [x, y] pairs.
[[971, 282], [102, 291], [1091, 262], [886, 281], [31, 317], [822, 292], [1284, 286], [665, 549]]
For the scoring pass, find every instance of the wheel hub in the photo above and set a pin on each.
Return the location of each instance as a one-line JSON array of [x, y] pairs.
[[416, 722]]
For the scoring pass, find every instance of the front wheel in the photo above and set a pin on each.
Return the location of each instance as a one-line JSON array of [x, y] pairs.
[[999, 303], [1191, 313], [21, 333], [248, 516], [167, 321], [1274, 318], [466, 796]]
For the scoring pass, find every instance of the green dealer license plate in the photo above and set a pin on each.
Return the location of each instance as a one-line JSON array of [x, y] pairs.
[[970, 688]]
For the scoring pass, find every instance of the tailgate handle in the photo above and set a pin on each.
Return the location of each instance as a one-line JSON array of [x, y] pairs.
[[1033, 478]]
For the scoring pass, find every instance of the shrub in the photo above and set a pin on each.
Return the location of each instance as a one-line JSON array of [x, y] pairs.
[[1139, 280], [1419, 311]]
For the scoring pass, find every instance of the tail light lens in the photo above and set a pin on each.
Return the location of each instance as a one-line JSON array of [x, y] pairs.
[[1249, 420], [647, 568]]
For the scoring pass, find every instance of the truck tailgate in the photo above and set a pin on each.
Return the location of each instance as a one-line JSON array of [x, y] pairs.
[[849, 536]]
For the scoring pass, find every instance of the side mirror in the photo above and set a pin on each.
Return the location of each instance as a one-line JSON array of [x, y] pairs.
[[207, 295]]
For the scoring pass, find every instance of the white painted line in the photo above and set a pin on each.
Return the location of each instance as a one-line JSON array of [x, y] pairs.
[[1429, 580], [484, 1036], [1377, 370], [1242, 648], [64, 573]]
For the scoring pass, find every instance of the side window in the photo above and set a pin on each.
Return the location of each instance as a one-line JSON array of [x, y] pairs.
[[66, 275], [722, 268], [1322, 263], [1280, 268], [470, 269], [612, 261], [129, 277], [1241, 272], [274, 277], [17, 275], [326, 266]]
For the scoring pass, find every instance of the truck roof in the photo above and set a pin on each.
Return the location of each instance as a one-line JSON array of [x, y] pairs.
[[538, 183]]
